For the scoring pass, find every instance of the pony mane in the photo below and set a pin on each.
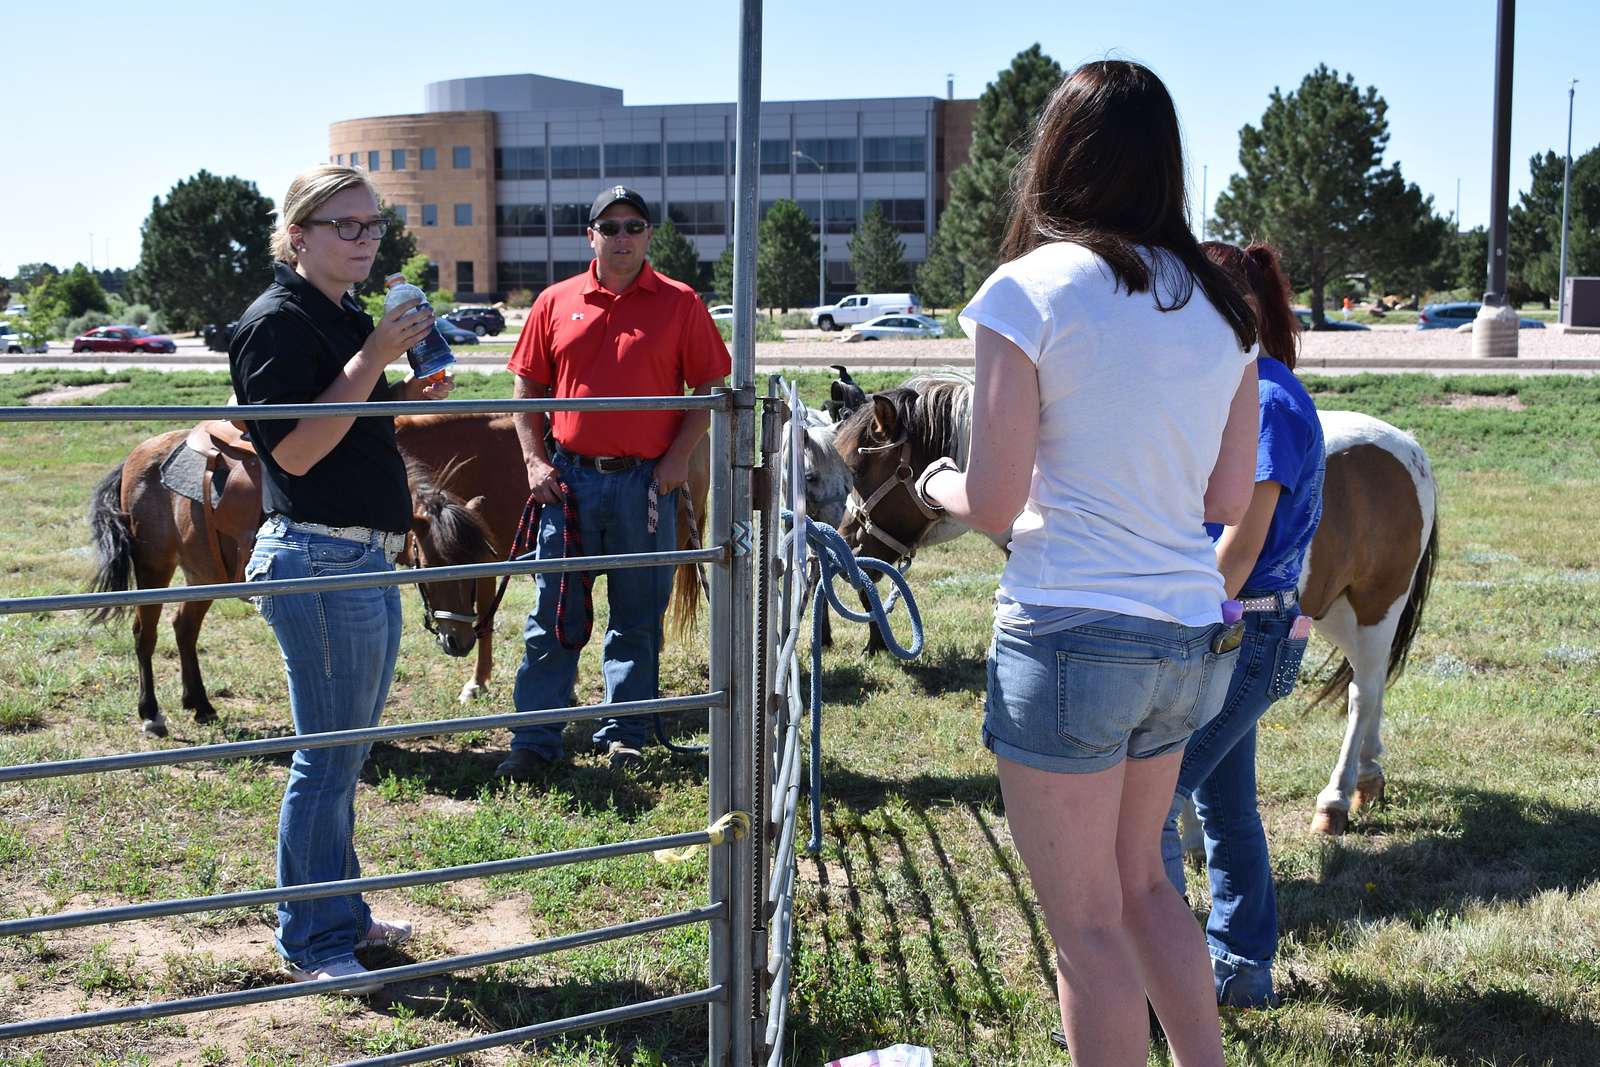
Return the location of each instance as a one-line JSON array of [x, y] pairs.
[[455, 533]]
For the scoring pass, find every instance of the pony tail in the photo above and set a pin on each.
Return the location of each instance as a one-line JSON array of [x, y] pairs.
[[1279, 328]]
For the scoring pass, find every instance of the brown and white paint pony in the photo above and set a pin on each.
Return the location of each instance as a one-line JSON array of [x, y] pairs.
[[1365, 581]]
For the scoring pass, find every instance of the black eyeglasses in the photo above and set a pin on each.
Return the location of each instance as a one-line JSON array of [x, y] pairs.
[[352, 229], [611, 227]]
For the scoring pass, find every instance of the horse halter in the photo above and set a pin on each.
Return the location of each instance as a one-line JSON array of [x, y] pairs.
[[904, 477], [431, 616]]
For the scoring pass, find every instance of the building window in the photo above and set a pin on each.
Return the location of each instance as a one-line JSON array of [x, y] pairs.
[[463, 214], [522, 274], [568, 220], [399, 213], [841, 216], [775, 157], [881, 155], [464, 281], [567, 268], [906, 216], [340, 158], [575, 161], [706, 217], [633, 160], [372, 159], [518, 164], [697, 157], [519, 220], [427, 158], [461, 157], [836, 154], [430, 276], [397, 159], [430, 214]]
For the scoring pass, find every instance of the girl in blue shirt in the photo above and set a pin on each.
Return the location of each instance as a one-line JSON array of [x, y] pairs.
[[1260, 560]]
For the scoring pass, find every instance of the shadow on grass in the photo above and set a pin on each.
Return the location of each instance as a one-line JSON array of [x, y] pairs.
[[1494, 846], [490, 1003]]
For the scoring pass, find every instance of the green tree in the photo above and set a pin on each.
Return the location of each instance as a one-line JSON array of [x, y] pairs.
[[1314, 184], [673, 254], [1408, 257], [1534, 267], [398, 246], [28, 274], [974, 220], [205, 252], [877, 254], [786, 258], [60, 298], [939, 276], [722, 276]]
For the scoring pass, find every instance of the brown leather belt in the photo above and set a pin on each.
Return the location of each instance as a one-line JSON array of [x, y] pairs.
[[603, 464]]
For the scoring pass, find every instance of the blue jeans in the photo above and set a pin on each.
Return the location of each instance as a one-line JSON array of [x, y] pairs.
[[612, 513], [339, 651], [1219, 771]]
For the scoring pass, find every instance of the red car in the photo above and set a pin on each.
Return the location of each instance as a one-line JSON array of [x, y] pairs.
[[122, 339]]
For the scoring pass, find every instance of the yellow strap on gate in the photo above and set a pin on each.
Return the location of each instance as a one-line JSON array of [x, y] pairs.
[[738, 822]]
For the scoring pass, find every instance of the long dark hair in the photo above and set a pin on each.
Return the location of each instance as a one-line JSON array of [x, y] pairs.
[[1256, 267], [1106, 171]]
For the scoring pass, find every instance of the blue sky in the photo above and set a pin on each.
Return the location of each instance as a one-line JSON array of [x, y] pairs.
[[111, 104]]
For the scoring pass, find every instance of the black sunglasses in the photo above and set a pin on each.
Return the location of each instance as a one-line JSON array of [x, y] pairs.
[[352, 229], [611, 227]]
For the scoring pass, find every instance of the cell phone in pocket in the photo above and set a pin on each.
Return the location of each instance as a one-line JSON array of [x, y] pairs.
[[1301, 628]]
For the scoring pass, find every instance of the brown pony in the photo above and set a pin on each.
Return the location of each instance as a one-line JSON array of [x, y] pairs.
[[1364, 583], [478, 457], [144, 531]]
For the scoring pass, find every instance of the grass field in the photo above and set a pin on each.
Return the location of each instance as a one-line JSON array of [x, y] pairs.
[[1458, 924]]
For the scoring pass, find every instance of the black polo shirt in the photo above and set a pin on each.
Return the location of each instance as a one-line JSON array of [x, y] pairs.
[[289, 346]]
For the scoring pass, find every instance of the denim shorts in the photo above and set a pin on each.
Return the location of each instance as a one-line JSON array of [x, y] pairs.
[[1086, 698]]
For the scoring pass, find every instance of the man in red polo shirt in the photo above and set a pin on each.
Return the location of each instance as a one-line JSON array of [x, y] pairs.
[[620, 329]]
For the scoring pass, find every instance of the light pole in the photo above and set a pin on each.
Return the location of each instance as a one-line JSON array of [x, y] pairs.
[[1494, 331], [1566, 194], [822, 229]]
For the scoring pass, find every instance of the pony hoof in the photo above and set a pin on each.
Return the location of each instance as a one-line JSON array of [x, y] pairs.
[[1369, 792], [472, 691], [1331, 822], [156, 727]]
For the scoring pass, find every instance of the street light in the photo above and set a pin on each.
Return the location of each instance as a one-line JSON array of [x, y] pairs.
[[822, 229], [1566, 193]]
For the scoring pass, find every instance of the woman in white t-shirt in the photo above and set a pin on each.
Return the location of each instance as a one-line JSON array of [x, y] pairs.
[[1114, 415]]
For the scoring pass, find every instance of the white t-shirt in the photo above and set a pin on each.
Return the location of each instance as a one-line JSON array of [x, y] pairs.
[[1132, 403]]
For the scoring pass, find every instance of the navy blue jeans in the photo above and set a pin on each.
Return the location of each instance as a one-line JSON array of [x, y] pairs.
[[612, 513], [339, 651], [1219, 772]]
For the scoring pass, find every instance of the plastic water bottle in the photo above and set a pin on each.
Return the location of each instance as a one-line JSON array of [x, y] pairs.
[[430, 358]]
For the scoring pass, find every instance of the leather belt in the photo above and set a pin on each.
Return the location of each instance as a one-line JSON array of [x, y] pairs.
[[391, 543], [603, 464], [1282, 600]]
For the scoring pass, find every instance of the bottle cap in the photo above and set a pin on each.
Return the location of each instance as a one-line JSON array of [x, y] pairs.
[[1232, 611], [393, 279]]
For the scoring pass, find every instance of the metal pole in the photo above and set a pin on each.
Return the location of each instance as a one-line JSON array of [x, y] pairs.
[[1500, 177], [720, 1023], [1566, 195]]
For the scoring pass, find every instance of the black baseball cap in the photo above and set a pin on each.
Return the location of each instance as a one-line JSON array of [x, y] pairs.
[[618, 194]]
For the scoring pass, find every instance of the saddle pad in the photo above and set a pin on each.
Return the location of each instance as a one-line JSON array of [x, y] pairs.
[[184, 469]]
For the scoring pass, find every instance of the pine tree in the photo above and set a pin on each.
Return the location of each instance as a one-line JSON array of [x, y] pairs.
[[877, 254], [722, 276], [673, 254], [974, 220], [205, 253], [1315, 186], [786, 258]]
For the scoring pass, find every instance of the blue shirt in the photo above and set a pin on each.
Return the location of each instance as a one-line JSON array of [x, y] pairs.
[[1289, 453]]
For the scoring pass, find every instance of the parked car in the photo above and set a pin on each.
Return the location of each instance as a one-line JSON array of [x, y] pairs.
[[1449, 316], [15, 344], [122, 339], [721, 313], [1329, 323], [895, 327], [218, 338], [483, 321], [455, 333], [859, 307]]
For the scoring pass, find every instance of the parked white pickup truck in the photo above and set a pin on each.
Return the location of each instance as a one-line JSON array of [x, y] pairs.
[[859, 307]]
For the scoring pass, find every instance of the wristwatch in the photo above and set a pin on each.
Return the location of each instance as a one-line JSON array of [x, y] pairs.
[[938, 466]]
